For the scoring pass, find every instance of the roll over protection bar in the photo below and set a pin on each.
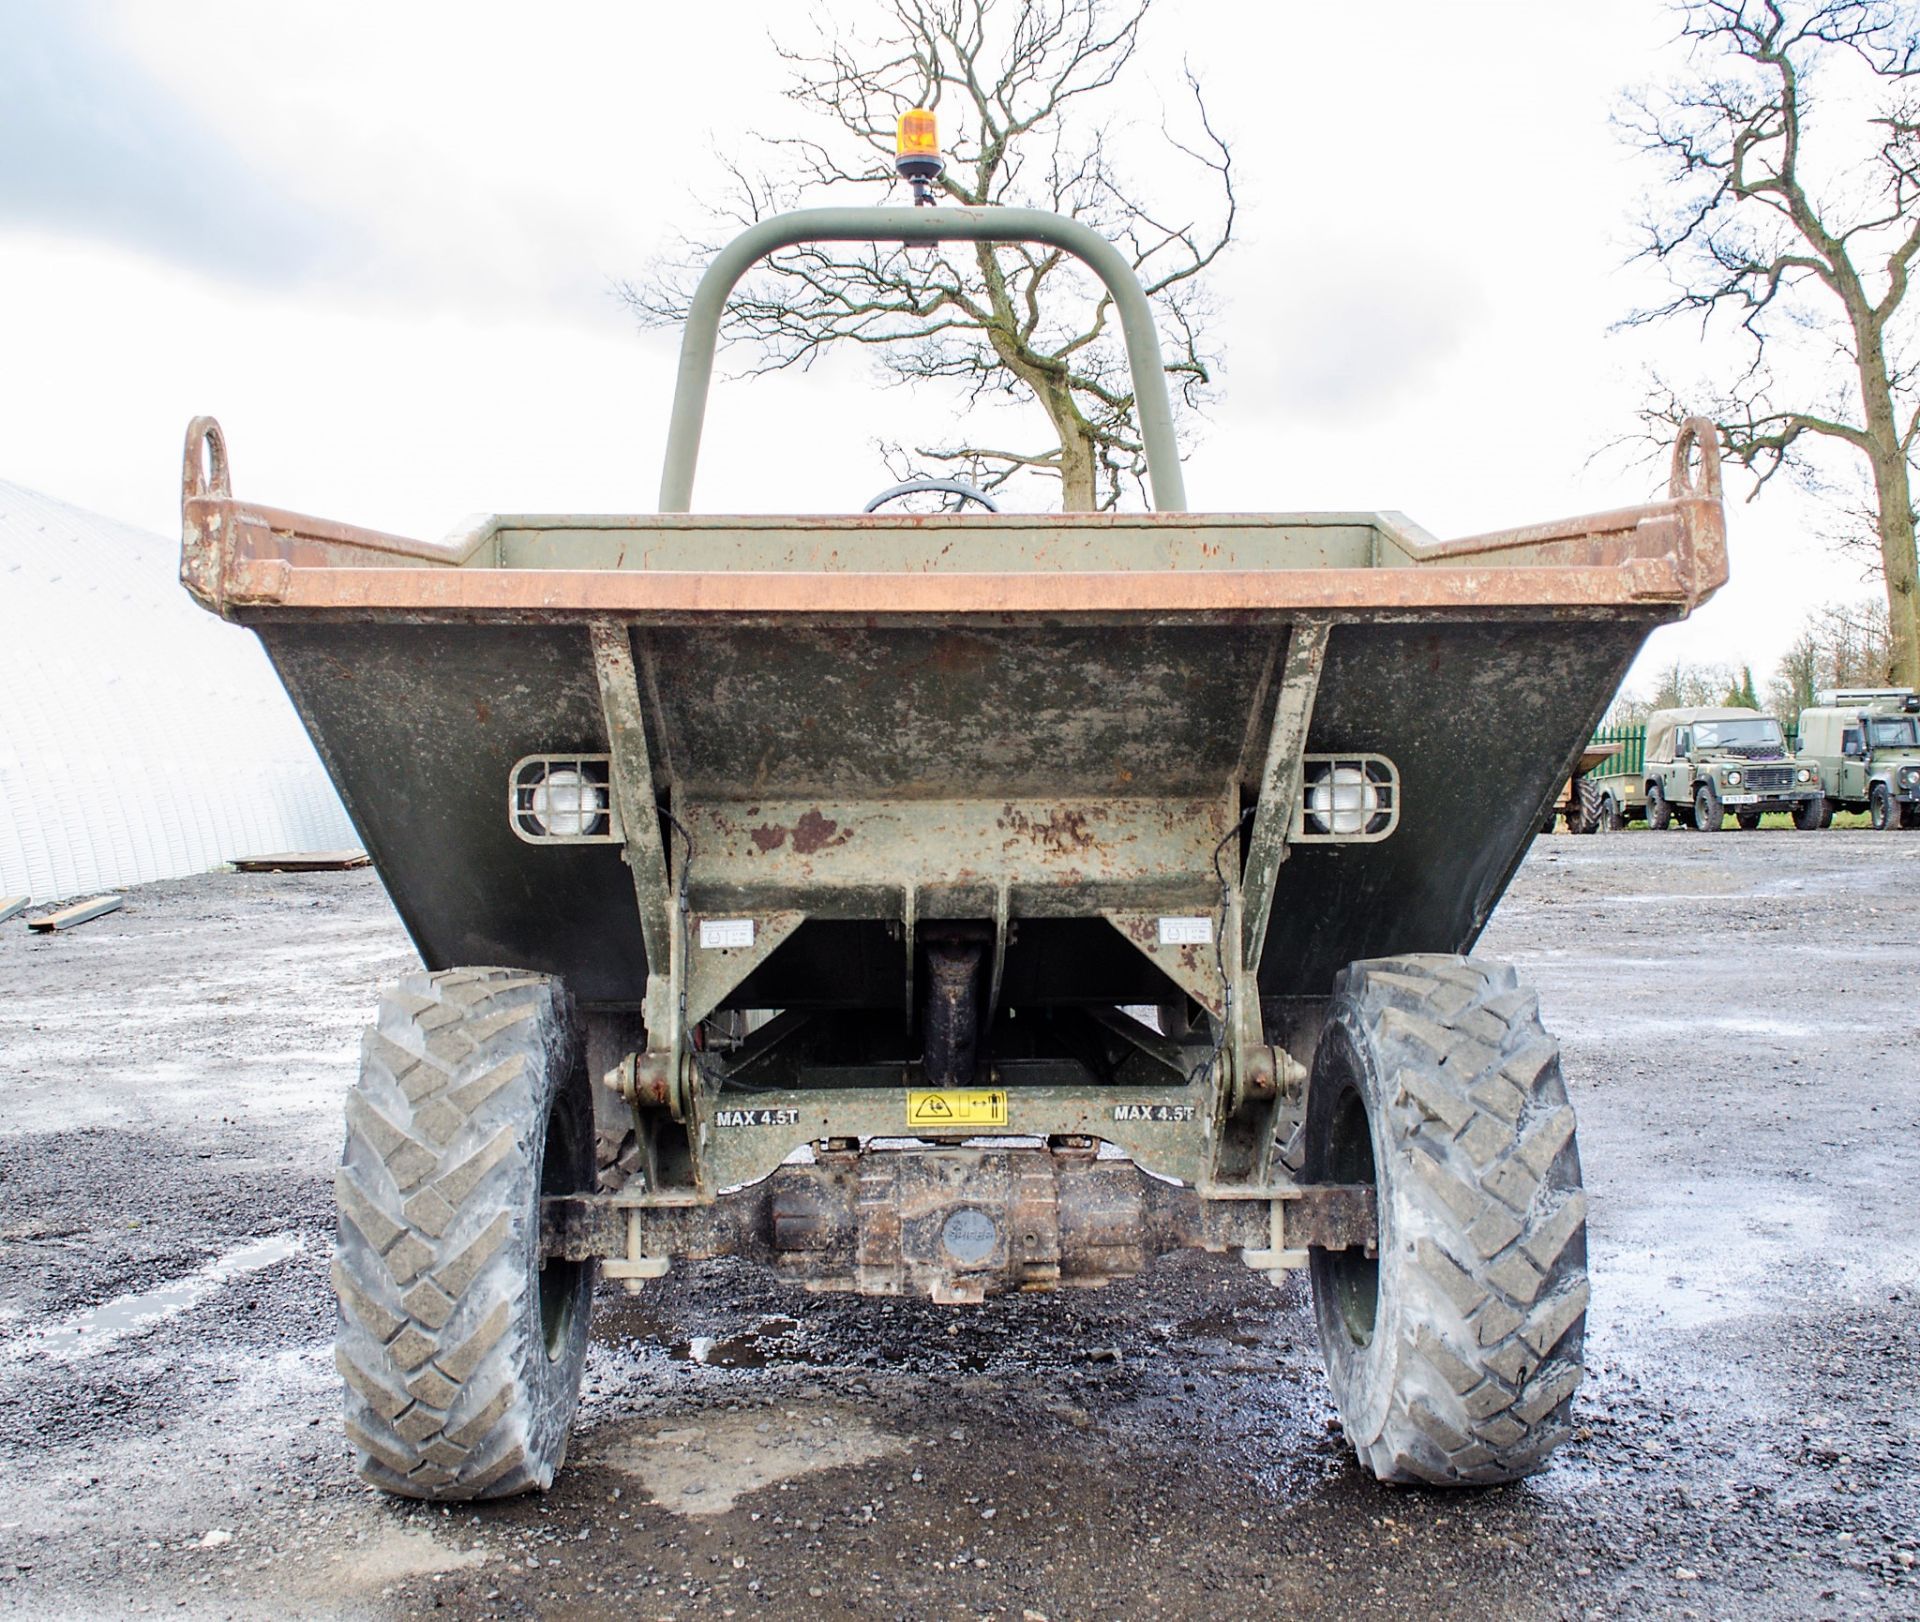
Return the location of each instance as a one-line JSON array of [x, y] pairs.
[[919, 225]]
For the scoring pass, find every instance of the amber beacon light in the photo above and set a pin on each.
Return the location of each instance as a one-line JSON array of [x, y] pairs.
[[917, 157]]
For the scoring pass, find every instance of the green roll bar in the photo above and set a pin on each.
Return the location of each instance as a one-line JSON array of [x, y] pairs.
[[919, 225]]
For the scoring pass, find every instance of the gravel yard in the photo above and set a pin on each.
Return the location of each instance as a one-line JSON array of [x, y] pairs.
[[1738, 1014]]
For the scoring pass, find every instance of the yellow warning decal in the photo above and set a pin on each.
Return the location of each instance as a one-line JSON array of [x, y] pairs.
[[951, 1109]]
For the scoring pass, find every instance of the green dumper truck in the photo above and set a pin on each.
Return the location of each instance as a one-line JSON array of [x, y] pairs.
[[783, 885]]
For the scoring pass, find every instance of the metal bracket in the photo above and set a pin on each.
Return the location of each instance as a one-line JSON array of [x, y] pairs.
[[1280, 783], [1192, 965], [716, 970], [1002, 922], [1182, 1061], [631, 770], [1323, 1217]]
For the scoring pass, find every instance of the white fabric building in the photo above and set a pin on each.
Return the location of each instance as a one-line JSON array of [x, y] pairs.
[[140, 737]]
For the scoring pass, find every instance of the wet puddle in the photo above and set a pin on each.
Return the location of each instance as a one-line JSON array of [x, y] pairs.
[[777, 1343], [93, 1331], [704, 1468], [1219, 1324], [768, 1343]]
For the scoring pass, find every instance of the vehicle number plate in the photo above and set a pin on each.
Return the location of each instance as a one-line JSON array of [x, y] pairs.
[[1738, 799]]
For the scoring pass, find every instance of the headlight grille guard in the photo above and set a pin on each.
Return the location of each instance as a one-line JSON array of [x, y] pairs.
[[1346, 799], [574, 792]]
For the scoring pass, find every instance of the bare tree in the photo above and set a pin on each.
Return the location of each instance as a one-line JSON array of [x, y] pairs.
[[1801, 248], [1681, 685], [1677, 686], [1841, 645], [1019, 86]]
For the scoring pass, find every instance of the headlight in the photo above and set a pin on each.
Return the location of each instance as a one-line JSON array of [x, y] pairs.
[[565, 799], [1733, 779], [1805, 775], [1342, 801], [565, 805]]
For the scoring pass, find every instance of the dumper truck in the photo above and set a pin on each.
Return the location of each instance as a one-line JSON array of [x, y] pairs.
[[794, 888], [1862, 745], [1587, 809]]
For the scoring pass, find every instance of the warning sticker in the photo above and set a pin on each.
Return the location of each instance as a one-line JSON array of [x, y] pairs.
[[1186, 931], [951, 1109]]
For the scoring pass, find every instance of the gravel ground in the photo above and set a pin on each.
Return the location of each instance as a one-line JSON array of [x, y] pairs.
[[1738, 1015]]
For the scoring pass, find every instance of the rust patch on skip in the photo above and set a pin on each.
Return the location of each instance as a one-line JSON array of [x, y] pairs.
[[813, 832], [1064, 831], [769, 836]]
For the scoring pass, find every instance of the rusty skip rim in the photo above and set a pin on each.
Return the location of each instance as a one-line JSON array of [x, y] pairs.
[[241, 556]]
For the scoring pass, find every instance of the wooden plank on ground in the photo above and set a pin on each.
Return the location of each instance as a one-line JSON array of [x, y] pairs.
[[302, 861], [10, 905], [79, 913]]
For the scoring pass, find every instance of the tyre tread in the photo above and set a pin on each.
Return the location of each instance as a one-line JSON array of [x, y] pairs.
[[1499, 1261], [433, 1144]]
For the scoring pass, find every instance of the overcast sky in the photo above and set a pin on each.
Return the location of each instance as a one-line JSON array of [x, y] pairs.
[[378, 242]]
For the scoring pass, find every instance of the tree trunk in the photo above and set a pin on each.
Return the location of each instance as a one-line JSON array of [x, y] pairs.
[[1078, 465], [1893, 483], [1077, 468], [1893, 496]]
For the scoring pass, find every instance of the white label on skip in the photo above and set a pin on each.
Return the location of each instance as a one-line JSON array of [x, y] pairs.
[[723, 933], [1186, 931]]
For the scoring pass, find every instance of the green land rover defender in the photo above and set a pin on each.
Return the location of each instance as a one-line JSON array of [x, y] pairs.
[[1862, 746], [1703, 762]]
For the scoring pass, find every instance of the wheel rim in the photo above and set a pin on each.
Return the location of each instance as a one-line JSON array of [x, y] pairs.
[[1353, 1276], [559, 1280]]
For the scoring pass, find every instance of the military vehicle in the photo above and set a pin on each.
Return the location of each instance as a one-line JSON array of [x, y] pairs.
[[780, 883], [1704, 761], [1863, 747]]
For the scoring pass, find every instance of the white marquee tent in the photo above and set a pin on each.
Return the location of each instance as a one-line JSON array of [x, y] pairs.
[[140, 737]]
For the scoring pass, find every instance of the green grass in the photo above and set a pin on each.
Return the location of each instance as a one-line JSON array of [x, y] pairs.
[[1773, 819]]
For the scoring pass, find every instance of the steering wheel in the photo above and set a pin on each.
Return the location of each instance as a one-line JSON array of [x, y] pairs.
[[952, 487]]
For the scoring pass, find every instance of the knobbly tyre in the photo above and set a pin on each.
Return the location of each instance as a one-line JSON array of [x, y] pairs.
[[1589, 809], [722, 838]]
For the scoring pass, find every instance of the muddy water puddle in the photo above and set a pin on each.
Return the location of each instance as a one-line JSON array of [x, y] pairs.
[[93, 1331], [770, 1343], [1218, 1324], [705, 1467]]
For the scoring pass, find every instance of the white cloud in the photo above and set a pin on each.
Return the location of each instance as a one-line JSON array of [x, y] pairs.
[[1418, 316]]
